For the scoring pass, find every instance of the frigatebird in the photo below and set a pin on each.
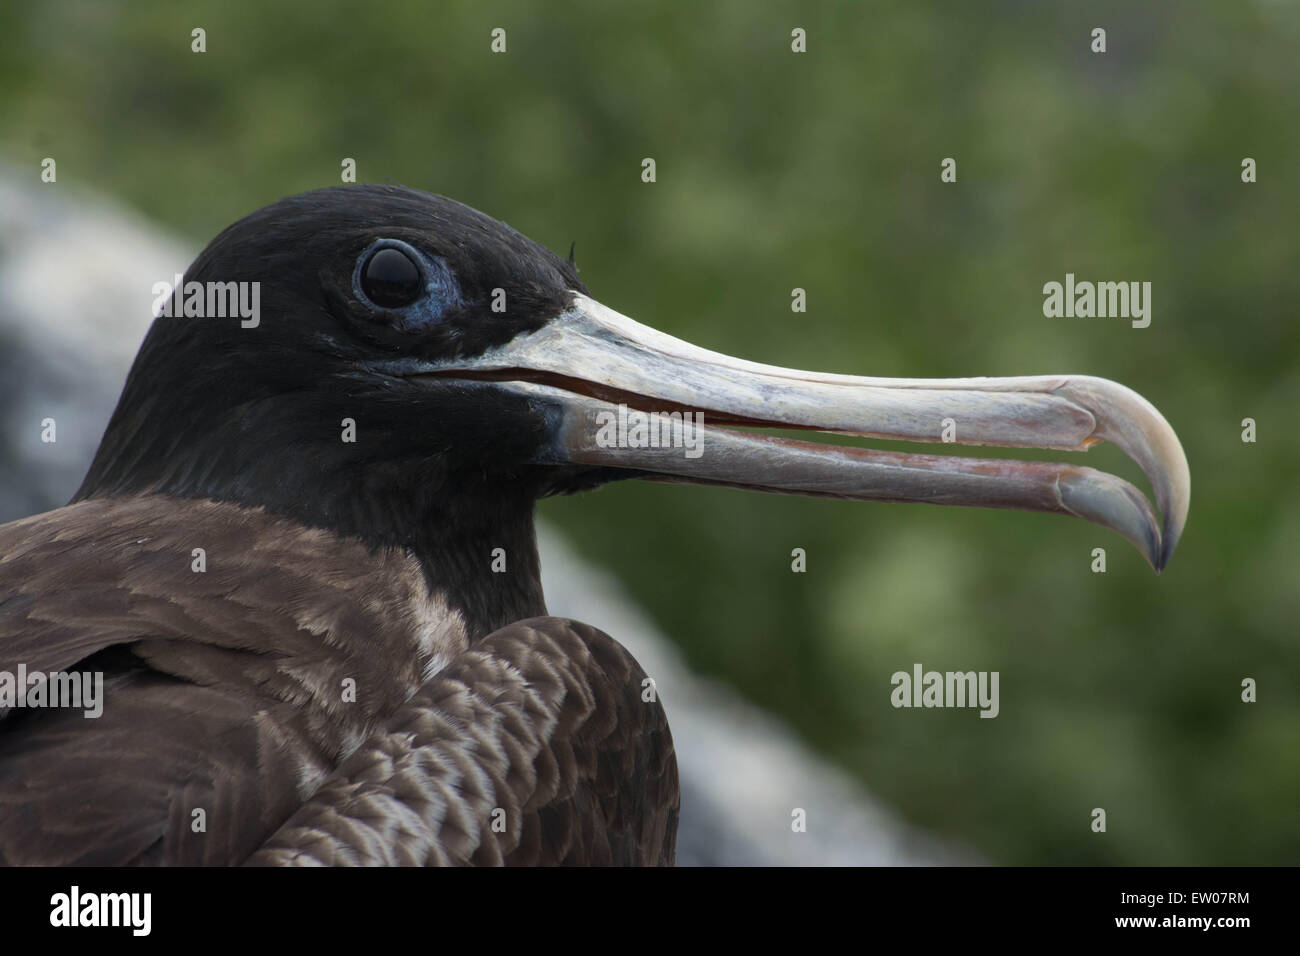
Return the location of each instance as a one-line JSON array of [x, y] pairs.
[[303, 558]]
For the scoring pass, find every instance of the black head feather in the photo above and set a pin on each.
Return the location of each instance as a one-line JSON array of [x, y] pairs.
[[212, 409]]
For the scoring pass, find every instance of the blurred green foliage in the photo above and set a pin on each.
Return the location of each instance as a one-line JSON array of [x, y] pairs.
[[775, 170]]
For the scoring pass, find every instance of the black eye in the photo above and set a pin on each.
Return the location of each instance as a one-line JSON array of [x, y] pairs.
[[391, 279]]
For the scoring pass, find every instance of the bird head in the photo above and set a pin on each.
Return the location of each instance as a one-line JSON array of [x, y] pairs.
[[479, 375]]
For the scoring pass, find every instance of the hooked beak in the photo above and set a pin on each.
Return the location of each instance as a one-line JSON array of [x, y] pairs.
[[589, 360]]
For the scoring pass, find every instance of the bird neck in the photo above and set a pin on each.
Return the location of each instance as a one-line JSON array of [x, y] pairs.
[[475, 541]]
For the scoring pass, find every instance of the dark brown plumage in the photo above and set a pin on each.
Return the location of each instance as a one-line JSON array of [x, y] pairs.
[[226, 691], [542, 728]]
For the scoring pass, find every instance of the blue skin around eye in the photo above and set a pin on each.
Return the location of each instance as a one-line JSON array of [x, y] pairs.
[[442, 294], [441, 290]]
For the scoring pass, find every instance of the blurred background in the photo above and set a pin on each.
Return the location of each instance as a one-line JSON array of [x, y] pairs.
[[818, 170]]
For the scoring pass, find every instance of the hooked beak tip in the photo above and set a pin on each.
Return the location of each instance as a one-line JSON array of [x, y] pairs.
[[1126, 418]]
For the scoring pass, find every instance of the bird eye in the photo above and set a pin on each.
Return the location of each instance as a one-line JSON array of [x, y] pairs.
[[390, 279]]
